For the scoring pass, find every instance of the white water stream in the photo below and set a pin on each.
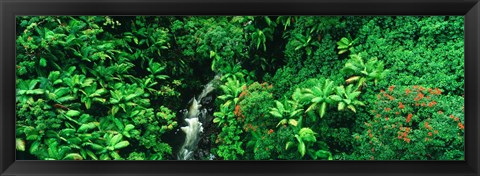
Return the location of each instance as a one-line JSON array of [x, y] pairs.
[[194, 127]]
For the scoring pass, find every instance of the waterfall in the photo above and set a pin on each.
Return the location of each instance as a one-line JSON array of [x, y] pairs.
[[194, 117]]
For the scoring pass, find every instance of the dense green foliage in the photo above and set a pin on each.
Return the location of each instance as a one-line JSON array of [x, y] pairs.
[[290, 87]]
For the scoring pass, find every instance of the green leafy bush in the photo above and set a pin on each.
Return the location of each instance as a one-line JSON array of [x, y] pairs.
[[82, 93]]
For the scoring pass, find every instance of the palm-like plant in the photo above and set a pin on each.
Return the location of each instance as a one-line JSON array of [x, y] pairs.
[[304, 136], [286, 21], [155, 70], [224, 114], [287, 111], [347, 97], [231, 89], [318, 96], [305, 42], [362, 72], [235, 71], [26, 89], [345, 45]]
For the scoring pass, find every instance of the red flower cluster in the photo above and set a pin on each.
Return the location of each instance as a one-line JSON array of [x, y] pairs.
[[407, 91], [391, 88], [400, 105], [270, 131], [244, 93], [436, 91], [238, 112], [249, 126], [266, 85], [419, 96], [427, 126], [404, 135], [409, 118], [370, 133]]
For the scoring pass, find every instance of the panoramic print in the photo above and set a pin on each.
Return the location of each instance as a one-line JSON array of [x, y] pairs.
[[240, 88]]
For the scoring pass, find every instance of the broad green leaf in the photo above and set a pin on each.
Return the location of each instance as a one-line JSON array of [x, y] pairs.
[[52, 152], [36, 91], [34, 147], [356, 102], [282, 122], [118, 123], [115, 110], [294, 113], [88, 82], [335, 98], [32, 137], [311, 107], [65, 99], [293, 122], [20, 144], [301, 148], [61, 91], [352, 79], [115, 155], [317, 99], [54, 75], [288, 145], [115, 139], [276, 113], [280, 106], [323, 109], [212, 53], [91, 154], [122, 144], [351, 107], [129, 127], [88, 126], [341, 106], [43, 62], [323, 154], [219, 114], [72, 113], [95, 146], [105, 157], [347, 101], [88, 103], [74, 141], [73, 156], [306, 134], [67, 132]]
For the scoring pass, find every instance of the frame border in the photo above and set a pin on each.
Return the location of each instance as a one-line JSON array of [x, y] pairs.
[[470, 9]]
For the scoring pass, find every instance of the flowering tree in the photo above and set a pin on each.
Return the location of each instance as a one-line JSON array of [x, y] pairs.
[[413, 123]]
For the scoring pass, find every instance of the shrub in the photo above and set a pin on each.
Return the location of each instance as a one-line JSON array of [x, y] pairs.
[[85, 88], [413, 123]]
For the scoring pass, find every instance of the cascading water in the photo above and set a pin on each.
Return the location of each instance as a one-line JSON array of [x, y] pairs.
[[194, 117]]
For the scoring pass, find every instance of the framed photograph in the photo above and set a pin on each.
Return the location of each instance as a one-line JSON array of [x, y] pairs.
[[239, 87]]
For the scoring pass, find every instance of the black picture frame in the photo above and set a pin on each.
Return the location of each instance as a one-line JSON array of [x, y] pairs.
[[10, 8]]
